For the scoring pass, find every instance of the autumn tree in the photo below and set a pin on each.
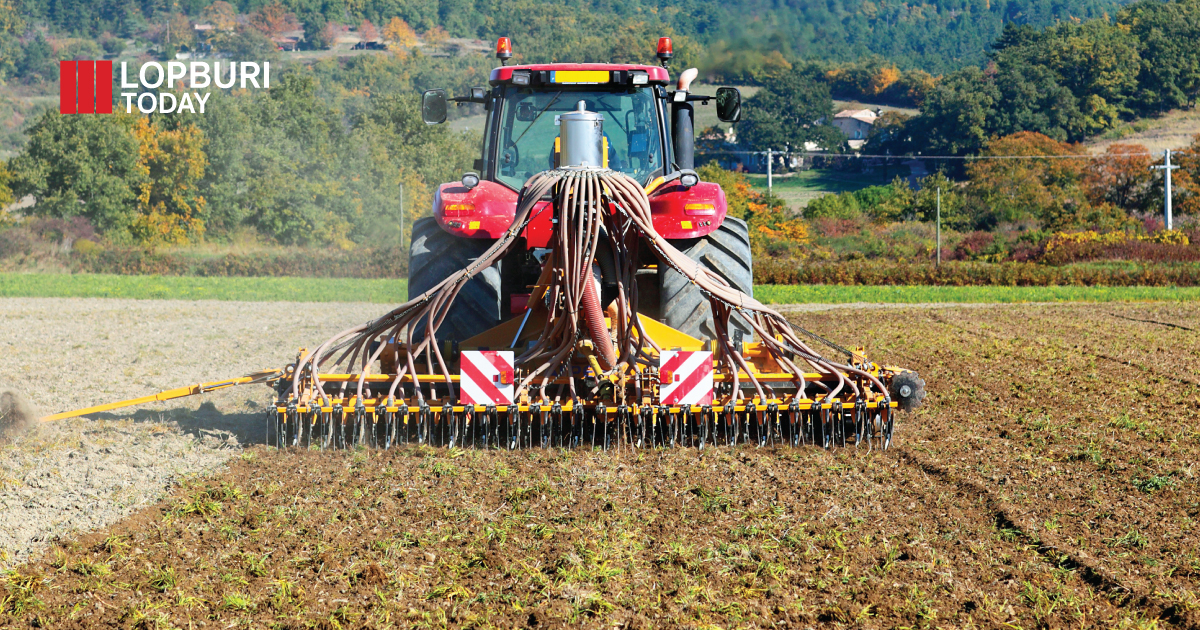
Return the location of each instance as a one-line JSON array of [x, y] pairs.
[[367, 31], [329, 33], [1121, 176], [884, 79], [180, 32], [221, 15], [171, 163], [274, 19], [436, 36], [1185, 182], [1024, 179], [399, 33], [6, 196]]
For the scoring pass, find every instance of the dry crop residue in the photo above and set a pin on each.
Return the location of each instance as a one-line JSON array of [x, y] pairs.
[[58, 478], [1049, 482]]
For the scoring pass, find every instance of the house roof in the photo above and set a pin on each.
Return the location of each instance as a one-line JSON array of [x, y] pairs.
[[865, 115]]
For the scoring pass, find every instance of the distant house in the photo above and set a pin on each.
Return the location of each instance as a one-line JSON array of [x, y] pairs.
[[856, 124], [286, 43]]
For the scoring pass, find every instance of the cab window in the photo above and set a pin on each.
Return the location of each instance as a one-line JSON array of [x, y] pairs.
[[529, 125]]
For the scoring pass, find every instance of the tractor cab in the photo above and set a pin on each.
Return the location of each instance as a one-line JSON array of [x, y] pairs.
[[643, 124], [647, 134]]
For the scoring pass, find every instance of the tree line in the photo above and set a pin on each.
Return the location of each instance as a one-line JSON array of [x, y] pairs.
[[1068, 82], [1046, 187], [282, 164], [739, 38]]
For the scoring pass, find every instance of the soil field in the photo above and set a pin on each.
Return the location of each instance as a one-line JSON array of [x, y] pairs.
[[1049, 481]]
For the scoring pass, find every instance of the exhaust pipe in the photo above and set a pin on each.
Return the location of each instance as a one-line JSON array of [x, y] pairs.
[[682, 123]]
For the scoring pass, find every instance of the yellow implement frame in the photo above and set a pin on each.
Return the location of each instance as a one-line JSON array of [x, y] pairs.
[[170, 394]]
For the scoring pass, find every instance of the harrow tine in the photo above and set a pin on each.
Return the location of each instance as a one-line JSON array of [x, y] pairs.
[[514, 433], [860, 424], [673, 425], [837, 420], [752, 413], [602, 412], [336, 421], [664, 426], [644, 413], [489, 423], [576, 424], [624, 434], [823, 418], [360, 418], [773, 430], [685, 425], [556, 419], [888, 422], [291, 423], [424, 424]]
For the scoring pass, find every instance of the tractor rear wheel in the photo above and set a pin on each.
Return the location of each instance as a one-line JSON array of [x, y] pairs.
[[436, 254], [725, 252]]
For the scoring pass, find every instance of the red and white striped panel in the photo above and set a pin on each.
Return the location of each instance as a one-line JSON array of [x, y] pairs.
[[686, 378], [486, 378]]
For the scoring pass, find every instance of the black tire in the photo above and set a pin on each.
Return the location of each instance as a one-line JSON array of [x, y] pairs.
[[725, 252], [435, 255]]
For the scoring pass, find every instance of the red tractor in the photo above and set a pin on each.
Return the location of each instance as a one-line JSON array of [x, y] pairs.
[[647, 133]]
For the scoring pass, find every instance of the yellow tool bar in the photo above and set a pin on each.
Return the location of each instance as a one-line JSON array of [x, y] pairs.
[[567, 407], [769, 377], [170, 394]]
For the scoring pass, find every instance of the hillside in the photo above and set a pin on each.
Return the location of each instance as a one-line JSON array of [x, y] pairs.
[[937, 36], [1172, 130]]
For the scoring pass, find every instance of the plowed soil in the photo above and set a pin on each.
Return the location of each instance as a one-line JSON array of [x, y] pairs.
[[1049, 481]]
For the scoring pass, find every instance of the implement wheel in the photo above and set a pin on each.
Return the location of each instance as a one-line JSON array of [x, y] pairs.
[[725, 252], [434, 256]]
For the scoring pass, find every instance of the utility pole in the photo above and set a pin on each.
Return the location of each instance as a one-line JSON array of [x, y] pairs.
[[768, 172], [939, 226], [1166, 168], [402, 217]]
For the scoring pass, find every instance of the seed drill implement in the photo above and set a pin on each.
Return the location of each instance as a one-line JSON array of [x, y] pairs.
[[581, 286]]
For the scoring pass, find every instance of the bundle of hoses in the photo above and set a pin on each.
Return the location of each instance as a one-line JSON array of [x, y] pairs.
[[600, 217]]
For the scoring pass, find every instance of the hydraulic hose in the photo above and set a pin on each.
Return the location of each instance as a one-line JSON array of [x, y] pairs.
[[599, 215], [593, 315]]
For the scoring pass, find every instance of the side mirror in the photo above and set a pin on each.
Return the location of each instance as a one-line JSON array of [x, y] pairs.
[[729, 104], [433, 107]]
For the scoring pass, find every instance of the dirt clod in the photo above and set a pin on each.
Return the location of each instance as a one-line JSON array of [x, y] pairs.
[[16, 414]]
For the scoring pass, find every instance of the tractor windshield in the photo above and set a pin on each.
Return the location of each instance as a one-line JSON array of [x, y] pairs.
[[529, 125]]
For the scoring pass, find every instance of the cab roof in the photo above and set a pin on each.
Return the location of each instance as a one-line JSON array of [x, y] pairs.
[[656, 75]]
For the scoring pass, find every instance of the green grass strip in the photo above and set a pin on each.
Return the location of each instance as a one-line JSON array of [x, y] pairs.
[[203, 288], [396, 291], [834, 294]]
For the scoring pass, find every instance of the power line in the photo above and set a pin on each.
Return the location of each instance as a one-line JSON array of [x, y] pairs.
[[1098, 156]]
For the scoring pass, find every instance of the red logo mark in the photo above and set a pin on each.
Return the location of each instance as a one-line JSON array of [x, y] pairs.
[[85, 87]]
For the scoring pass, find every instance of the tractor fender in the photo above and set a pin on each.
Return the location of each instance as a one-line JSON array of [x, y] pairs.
[[484, 211], [688, 212]]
